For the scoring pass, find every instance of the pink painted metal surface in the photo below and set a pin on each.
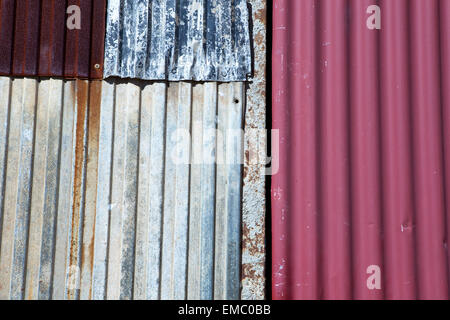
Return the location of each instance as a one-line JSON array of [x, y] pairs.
[[363, 190]]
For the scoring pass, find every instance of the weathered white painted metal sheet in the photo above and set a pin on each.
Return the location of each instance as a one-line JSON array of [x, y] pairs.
[[105, 196], [178, 40]]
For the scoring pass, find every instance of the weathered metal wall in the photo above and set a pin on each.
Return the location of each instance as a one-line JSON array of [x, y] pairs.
[[34, 39], [178, 40], [93, 205], [363, 114]]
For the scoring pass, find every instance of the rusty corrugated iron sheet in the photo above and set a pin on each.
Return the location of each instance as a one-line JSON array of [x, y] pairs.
[[34, 39], [178, 40], [93, 204], [360, 206]]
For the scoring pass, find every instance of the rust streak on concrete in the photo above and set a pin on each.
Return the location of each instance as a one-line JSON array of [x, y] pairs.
[[254, 206]]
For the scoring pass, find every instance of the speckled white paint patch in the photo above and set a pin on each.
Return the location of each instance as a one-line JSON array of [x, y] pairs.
[[178, 40]]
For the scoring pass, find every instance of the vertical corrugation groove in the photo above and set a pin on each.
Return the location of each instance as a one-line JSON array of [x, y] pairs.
[[124, 183], [445, 78], [79, 187], [5, 101], [334, 151], [427, 150], [397, 177], [370, 220], [65, 188], [43, 201], [150, 193], [7, 13], [26, 37], [365, 150], [92, 168], [176, 202], [103, 207], [202, 190], [228, 192]]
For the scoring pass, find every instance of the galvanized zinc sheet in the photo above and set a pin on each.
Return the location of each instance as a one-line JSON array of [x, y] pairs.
[[361, 204], [35, 39], [178, 40], [104, 196]]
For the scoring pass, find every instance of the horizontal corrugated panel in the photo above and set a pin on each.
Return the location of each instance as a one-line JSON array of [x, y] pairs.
[[99, 201], [178, 40], [360, 204], [35, 39]]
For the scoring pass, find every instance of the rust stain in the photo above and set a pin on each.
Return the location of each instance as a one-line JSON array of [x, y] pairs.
[[30, 294], [261, 15], [245, 172], [81, 104], [253, 244], [247, 161], [249, 270], [95, 94], [259, 39]]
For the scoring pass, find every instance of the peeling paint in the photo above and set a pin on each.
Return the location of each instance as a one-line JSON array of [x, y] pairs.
[[178, 40]]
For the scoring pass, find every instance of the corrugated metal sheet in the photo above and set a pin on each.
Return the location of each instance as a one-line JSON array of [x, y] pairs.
[[364, 128], [34, 40], [178, 40], [93, 204], [145, 39]]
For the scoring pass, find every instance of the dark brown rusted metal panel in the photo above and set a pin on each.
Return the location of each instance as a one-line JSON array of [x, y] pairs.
[[26, 35], [35, 40], [98, 39], [51, 58], [6, 33]]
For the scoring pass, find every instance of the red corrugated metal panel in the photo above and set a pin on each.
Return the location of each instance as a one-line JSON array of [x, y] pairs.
[[364, 120], [34, 39]]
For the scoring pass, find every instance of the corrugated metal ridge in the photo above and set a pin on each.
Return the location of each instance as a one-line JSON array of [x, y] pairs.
[[178, 40], [94, 207], [34, 39], [361, 204]]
